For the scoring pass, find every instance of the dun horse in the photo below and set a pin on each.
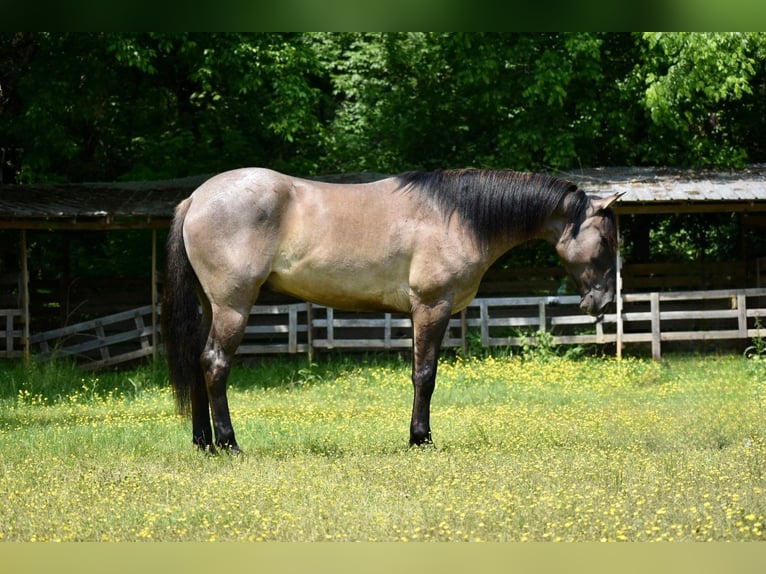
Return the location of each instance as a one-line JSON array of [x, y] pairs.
[[418, 243]]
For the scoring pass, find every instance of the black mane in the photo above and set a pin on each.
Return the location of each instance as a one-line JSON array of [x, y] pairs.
[[496, 204]]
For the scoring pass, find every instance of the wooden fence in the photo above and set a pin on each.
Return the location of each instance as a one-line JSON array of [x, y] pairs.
[[102, 342], [647, 318], [57, 303], [11, 333], [692, 316]]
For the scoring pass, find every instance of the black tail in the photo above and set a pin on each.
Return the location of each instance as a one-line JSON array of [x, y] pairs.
[[181, 321]]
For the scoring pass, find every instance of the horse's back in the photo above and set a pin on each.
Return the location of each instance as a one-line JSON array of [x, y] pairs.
[[361, 247]]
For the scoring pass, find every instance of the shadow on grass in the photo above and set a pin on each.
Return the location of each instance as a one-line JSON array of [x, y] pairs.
[[290, 372]]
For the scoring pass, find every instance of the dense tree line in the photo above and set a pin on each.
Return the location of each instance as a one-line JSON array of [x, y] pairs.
[[111, 106]]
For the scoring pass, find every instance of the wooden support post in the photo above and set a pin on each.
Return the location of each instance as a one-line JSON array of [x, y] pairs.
[[23, 255], [484, 315], [618, 288], [541, 316], [154, 296]]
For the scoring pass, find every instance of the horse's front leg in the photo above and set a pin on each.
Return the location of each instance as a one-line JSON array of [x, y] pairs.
[[429, 323]]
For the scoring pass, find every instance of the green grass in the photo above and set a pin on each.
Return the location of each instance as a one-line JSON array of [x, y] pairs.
[[539, 449]]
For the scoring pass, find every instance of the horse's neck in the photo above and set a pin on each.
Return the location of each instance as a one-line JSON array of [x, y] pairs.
[[553, 229]]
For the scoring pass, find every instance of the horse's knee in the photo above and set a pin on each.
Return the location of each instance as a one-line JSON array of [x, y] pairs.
[[424, 380], [215, 365]]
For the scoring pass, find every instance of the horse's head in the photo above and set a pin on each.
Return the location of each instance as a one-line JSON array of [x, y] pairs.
[[587, 248]]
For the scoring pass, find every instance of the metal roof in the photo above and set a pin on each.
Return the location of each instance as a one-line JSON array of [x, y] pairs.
[[108, 205], [64, 202], [663, 189], [93, 205], [149, 204]]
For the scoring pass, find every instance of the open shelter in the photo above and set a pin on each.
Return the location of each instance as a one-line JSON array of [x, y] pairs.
[[697, 296]]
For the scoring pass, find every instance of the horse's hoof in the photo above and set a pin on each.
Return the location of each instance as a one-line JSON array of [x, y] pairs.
[[422, 442], [231, 449], [205, 448]]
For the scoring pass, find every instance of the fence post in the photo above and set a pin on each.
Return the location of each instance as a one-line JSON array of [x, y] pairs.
[[541, 315], [310, 331], [9, 333], [464, 331], [654, 299], [742, 315], [330, 328], [292, 329], [484, 314], [101, 336], [140, 325]]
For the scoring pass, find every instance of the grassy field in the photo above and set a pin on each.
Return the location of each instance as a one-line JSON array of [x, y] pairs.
[[542, 448]]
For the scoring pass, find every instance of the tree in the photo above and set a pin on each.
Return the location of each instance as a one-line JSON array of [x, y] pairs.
[[701, 92], [133, 106]]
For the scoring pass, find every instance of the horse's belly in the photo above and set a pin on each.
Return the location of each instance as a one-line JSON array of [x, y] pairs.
[[352, 289]]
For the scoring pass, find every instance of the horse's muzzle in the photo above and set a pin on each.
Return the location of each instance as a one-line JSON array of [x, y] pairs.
[[595, 302]]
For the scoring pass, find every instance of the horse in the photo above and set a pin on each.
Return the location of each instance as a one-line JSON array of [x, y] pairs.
[[417, 243]]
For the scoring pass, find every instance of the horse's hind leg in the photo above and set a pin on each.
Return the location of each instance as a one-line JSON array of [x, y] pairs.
[[202, 432], [226, 331]]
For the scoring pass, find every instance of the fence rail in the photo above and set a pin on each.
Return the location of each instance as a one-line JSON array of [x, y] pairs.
[[693, 316], [277, 329], [651, 318], [102, 342]]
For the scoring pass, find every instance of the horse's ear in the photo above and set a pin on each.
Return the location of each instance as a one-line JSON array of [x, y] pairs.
[[602, 203]]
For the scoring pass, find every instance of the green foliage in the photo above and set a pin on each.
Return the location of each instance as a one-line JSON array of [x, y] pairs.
[[757, 351], [61, 381], [697, 88], [694, 237], [109, 106], [540, 346]]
